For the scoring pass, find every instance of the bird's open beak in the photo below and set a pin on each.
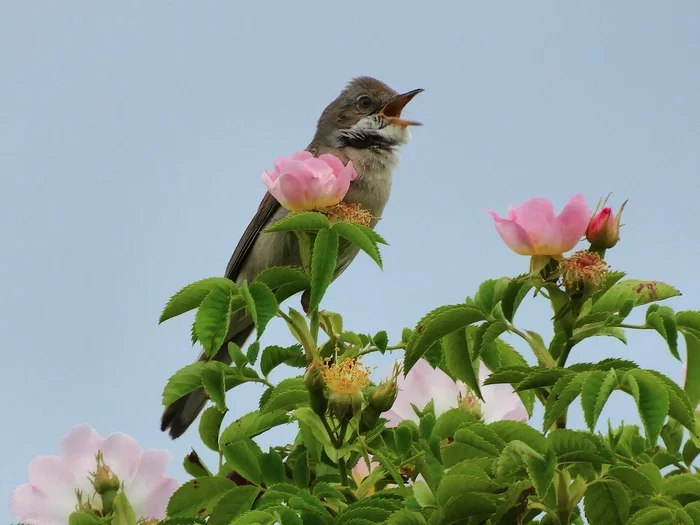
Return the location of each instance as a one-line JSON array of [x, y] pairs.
[[392, 111]]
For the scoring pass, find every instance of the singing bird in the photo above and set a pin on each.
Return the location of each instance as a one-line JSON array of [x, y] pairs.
[[363, 125]]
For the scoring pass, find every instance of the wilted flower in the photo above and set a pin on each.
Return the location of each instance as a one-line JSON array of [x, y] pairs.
[[533, 229], [382, 398], [425, 383], [604, 229], [583, 268], [345, 382], [58, 486], [304, 182]]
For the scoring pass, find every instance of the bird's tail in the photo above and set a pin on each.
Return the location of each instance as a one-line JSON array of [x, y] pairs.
[[181, 414]]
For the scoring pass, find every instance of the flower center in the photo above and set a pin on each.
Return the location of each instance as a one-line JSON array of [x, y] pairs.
[[348, 377]]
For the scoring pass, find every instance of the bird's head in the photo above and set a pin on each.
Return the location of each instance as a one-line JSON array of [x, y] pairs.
[[366, 114]]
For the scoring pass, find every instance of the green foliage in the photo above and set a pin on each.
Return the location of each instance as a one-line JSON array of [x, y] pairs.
[[449, 465], [323, 262]]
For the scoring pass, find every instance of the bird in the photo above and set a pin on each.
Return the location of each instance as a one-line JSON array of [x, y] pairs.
[[363, 125]]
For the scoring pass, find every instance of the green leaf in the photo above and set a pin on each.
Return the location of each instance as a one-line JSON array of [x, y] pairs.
[[83, 518], [640, 292], [300, 221], [517, 430], [357, 236], [459, 361], [424, 496], [191, 296], [403, 439], [209, 427], [241, 458], [606, 503], [251, 425], [264, 304], [369, 232], [189, 378], [515, 292], [254, 517], [323, 262], [652, 401], [284, 281], [406, 517], [541, 471], [381, 340], [652, 515], [253, 351], [563, 394], [680, 408], [488, 335], [692, 378], [542, 377], [663, 321], [194, 465], [273, 356], [237, 356], [287, 395], [599, 330], [481, 441], [214, 384], [213, 318], [682, 484], [632, 479], [572, 446], [300, 474], [198, 497], [595, 393], [123, 513], [232, 504], [272, 467], [437, 324]]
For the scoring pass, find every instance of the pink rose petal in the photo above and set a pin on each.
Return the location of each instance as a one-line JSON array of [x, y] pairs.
[[304, 182]]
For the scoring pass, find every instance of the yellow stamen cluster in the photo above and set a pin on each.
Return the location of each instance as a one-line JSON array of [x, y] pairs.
[[583, 267], [350, 213], [348, 377]]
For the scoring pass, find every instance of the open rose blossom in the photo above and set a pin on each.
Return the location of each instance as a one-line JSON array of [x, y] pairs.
[[424, 383], [56, 483], [304, 182], [533, 229]]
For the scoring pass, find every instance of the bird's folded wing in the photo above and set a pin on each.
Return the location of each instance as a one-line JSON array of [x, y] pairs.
[[266, 211]]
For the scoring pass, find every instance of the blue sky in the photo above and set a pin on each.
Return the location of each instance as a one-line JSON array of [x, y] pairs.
[[133, 136]]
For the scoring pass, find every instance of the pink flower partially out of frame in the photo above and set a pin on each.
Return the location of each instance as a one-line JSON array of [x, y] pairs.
[[52, 492], [533, 229], [305, 183], [424, 383]]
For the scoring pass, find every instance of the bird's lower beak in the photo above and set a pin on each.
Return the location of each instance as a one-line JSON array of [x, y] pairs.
[[392, 111]]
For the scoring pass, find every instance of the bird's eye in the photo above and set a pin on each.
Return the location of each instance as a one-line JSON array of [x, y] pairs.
[[364, 102]]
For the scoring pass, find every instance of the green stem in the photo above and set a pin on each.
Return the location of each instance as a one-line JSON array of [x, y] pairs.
[[563, 511], [565, 353], [315, 321], [371, 349], [343, 469], [330, 432], [635, 326]]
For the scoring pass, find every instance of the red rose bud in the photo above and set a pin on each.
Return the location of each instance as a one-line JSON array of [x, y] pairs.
[[604, 229]]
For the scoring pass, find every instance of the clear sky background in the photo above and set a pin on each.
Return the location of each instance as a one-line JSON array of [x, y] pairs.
[[133, 135]]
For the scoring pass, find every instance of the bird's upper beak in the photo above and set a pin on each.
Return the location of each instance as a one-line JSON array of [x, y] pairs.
[[392, 111]]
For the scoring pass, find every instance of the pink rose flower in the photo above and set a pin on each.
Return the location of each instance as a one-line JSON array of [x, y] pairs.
[[304, 182], [52, 492], [533, 229], [424, 383]]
